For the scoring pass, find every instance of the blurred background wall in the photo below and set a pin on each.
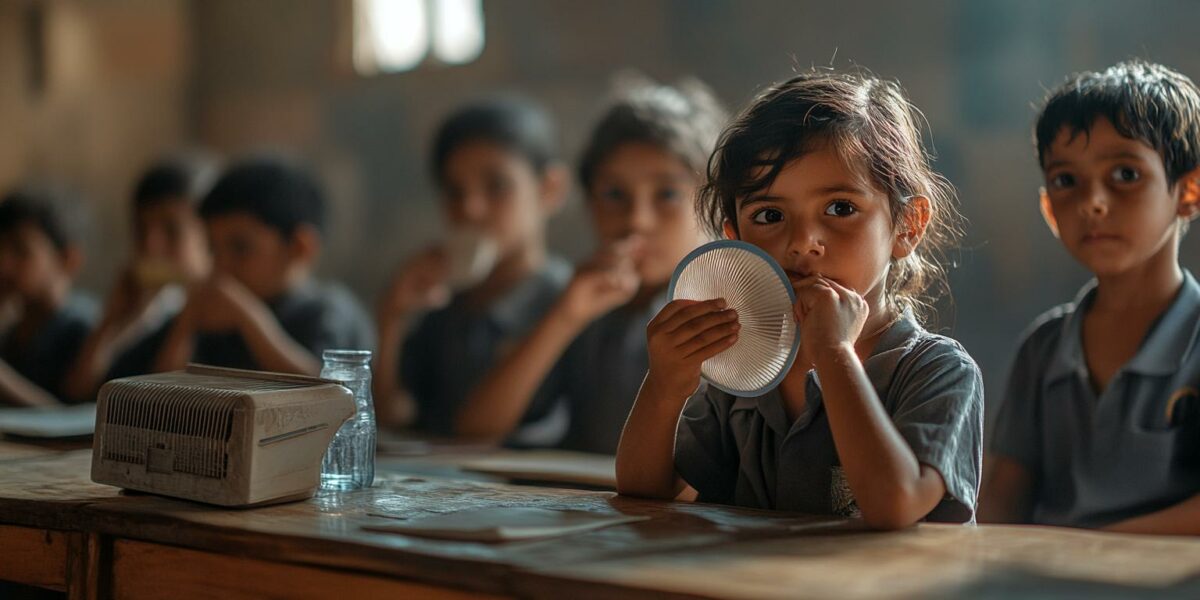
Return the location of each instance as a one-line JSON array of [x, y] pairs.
[[92, 90]]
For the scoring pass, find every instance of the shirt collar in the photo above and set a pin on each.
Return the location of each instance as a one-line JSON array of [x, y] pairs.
[[1172, 335], [1163, 350]]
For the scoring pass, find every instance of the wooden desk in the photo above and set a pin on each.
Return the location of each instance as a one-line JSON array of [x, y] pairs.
[[44, 535], [99, 542], [11, 449], [547, 468]]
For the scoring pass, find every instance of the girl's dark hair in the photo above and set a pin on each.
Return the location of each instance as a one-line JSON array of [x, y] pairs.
[[684, 119], [869, 122], [517, 123]]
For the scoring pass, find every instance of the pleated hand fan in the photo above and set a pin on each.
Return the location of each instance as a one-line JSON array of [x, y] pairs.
[[754, 285]]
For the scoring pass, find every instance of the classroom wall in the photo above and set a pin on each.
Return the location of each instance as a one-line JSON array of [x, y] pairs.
[[243, 76], [111, 93]]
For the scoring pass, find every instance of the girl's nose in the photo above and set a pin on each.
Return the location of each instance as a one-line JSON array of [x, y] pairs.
[[641, 216], [806, 242]]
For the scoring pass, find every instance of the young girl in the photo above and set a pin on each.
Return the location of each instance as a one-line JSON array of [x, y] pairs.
[[878, 418], [497, 167], [640, 171]]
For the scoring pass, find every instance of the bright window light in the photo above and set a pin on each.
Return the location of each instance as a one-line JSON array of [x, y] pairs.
[[391, 36], [457, 30]]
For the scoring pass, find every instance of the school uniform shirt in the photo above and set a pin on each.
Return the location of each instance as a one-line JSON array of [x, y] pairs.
[[48, 357], [745, 451], [318, 316], [1098, 458], [600, 374], [453, 348]]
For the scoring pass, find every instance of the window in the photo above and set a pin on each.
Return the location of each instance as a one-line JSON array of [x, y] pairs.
[[391, 36]]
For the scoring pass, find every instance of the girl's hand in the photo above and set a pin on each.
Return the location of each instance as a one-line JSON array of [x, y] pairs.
[[829, 314], [683, 335], [421, 282], [603, 283]]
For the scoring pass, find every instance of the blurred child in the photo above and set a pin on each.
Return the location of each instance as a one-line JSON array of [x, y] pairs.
[[488, 282], [39, 259], [640, 172], [878, 418], [1100, 425], [169, 252], [261, 308]]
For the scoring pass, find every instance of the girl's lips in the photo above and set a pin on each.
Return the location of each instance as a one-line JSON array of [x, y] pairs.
[[1089, 238], [796, 276]]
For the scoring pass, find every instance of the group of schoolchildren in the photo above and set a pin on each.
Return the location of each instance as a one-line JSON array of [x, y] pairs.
[[827, 172]]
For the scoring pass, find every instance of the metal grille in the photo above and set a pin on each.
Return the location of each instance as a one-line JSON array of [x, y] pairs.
[[183, 427]]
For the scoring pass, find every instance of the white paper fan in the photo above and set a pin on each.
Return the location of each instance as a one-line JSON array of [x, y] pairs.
[[754, 285]]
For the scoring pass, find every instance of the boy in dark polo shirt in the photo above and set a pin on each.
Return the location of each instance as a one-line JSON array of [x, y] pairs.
[[1100, 426], [262, 309], [500, 179], [39, 259]]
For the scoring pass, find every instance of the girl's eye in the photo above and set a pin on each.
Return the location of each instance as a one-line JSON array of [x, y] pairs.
[[767, 216], [1125, 174], [1062, 180], [840, 208], [669, 195]]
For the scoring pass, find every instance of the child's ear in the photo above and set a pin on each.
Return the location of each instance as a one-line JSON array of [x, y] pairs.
[[911, 230], [728, 229], [1047, 214], [1189, 197], [555, 181], [306, 244]]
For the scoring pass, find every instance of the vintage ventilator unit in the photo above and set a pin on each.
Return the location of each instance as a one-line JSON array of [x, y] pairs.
[[222, 436]]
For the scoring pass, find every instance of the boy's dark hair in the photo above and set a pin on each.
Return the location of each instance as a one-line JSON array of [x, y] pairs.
[[516, 123], [279, 194], [182, 178], [684, 120], [49, 210], [869, 122], [1144, 101]]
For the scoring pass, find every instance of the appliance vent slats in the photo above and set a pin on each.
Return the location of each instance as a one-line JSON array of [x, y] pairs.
[[188, 425]]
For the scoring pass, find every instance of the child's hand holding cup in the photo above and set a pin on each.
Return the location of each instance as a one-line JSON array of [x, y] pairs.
[[605, 282], [428, 280]]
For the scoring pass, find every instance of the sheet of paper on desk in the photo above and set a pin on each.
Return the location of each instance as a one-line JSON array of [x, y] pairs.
[[504, 524], [70, 421], [553, 466]]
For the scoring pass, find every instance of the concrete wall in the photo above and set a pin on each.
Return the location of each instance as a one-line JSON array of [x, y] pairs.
[[114, 93]]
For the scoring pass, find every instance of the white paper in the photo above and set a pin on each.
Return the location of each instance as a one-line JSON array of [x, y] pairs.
[[70, 421]]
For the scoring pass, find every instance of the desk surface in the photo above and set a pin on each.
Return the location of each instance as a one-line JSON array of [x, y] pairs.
[[685, 549]]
